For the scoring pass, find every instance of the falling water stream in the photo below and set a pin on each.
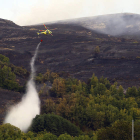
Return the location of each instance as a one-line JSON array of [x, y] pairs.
[[22, 114]]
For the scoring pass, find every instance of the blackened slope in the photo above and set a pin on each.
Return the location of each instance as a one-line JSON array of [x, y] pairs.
[[7, 23], [7, 99], [9, 30], [71, 49], [126, 24]]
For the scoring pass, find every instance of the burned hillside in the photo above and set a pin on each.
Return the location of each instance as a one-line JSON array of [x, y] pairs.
[[71, 50]]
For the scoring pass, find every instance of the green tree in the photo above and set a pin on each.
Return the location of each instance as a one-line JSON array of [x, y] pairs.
[[9, 132], [113, 89], [53, 76], [92, 81], [39, 78], [47, 75], [105, 82], [65, 137], [8, 79], [27, 136], [1, 77], [71, 85], [7, 74], [38, 124], [92, 90], [49, 136], [63, 109], [111, 114], [58, 87], [79, 86], [54, 124], [120, 91], [94, 115], [132, 92], [120, 130], [139, 92], [100, 89], [49, 106], [4, 58], [82, 137]]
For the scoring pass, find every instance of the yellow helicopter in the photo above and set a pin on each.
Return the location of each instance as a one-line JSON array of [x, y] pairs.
[[46, 32]]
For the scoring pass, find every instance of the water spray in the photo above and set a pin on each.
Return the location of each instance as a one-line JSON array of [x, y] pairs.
[[22, 114]]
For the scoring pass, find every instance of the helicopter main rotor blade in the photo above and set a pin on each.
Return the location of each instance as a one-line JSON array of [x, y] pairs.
[[53, 29], [45, 26]]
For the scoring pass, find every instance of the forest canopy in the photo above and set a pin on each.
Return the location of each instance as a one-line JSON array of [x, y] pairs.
[[74, 109]]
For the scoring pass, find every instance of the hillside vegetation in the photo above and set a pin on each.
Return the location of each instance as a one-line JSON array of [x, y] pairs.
[[96, 109], [77, 74], [8, 74]]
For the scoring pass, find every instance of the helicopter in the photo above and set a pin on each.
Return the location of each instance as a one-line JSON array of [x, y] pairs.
[[46, 32]]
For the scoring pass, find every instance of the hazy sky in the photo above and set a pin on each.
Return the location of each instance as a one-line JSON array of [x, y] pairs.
[[27, 12]]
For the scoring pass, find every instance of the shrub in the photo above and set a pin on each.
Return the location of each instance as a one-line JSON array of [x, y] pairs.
[[10, 132], [54, 124], [4, 58]]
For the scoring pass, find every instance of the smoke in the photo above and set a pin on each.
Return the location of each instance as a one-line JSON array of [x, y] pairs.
[[39, 11], [21, 115], [115, 24]]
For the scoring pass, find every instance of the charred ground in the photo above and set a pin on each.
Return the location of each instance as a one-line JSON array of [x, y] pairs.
[[71, 50]]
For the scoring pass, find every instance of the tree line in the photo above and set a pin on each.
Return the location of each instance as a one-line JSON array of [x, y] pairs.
[[9, 73], [96, 109]]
